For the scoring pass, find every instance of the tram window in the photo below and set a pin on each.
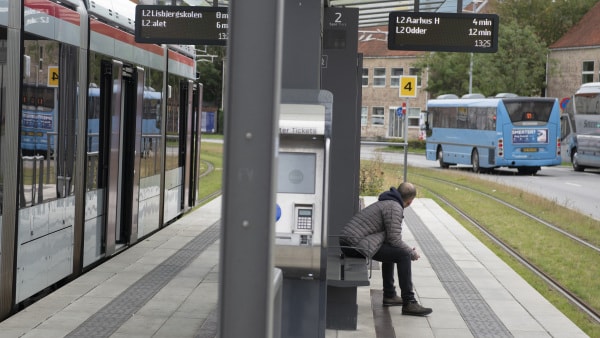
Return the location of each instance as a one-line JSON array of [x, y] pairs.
[[47, 152]]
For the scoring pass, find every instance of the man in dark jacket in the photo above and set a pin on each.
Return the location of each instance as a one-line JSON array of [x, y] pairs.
[[376, 232]]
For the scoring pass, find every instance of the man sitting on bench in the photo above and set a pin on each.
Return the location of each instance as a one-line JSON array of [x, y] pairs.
[[376, 232]]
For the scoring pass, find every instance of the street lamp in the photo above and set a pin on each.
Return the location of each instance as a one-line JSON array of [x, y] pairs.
[[475, 2]]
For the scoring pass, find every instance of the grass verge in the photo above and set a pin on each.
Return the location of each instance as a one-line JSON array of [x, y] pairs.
[[210, 182]]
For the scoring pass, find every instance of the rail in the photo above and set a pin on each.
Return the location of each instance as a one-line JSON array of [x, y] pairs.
[[581, 304]]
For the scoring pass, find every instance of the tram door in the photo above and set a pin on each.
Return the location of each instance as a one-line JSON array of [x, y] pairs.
[[188, 108], [120, 124], [195, 142]]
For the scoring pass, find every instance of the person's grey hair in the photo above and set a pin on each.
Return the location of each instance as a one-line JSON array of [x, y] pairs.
[[407, 191]]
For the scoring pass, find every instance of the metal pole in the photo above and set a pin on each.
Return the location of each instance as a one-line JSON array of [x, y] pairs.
[[252, 100], [471, 75], [405, 125]]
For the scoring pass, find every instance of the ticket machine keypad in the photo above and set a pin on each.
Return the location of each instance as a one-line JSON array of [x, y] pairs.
[[304, 219]]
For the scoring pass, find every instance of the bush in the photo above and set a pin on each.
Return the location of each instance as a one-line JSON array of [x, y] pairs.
[[372, 176]]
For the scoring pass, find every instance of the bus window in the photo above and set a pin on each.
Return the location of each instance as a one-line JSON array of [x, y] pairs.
[[587, 104], [529, 111]]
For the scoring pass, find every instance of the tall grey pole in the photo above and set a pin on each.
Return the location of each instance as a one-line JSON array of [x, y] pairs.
[[405, 125], [252, 99]]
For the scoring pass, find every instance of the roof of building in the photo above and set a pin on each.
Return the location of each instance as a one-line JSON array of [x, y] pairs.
[[584, 34], [372, 42]]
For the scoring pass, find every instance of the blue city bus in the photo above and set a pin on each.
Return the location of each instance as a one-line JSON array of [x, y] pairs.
[[581, 128], [488, 133]]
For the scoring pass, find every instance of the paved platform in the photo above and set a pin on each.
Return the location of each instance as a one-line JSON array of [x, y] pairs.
[[167, 286]]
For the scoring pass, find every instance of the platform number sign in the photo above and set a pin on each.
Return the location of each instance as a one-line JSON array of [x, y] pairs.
[[408, 86], [52, 76]]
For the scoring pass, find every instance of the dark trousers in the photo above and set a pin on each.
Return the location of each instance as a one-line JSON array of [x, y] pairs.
[[388, 256]]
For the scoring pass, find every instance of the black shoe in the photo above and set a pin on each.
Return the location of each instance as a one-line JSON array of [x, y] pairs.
[[414, 309], [392, 301]]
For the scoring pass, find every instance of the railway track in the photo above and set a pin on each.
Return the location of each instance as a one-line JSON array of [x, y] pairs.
[[209, 168], [582, 305]]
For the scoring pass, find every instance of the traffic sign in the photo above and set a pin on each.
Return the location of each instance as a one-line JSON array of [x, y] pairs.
[[408, 86], [564, 102], [401, 111], [194, 25], [443, 32]]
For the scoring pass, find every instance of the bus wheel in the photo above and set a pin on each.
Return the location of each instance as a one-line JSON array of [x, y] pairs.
[[475, 161], [440, 156], [574, 161]]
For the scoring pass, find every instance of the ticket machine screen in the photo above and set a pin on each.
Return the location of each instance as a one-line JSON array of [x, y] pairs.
[[296, 173]]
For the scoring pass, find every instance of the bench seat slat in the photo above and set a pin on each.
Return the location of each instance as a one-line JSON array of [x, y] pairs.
[[355, 272]]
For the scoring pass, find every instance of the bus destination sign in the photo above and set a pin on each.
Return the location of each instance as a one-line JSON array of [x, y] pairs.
[[443, 32], [193, 25]]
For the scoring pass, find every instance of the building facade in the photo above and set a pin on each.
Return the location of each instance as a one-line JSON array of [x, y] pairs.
[[382, 72], [575, 58]]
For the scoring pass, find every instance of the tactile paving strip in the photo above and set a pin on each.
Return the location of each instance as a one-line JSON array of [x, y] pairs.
[[108, 319], [478, 315]]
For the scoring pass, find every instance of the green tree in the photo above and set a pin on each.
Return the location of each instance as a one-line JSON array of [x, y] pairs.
[[550, 20], [211, 74], [448, 73], [518, 66]]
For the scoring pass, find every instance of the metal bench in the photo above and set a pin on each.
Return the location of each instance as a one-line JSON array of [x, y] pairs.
[[344, 276]]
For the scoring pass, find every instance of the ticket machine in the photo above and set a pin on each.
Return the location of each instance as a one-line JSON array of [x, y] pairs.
[[300, 249], [301, 189]]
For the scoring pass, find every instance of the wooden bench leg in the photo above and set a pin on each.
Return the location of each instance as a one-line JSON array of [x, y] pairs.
[[342, 308]]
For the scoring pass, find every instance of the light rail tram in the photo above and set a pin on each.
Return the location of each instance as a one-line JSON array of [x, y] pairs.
[[99, 140]]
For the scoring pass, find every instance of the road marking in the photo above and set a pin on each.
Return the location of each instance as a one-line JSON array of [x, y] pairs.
[[573, 184]]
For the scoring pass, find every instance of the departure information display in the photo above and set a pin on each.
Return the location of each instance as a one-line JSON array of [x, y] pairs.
[[443, 32], [193, 25]]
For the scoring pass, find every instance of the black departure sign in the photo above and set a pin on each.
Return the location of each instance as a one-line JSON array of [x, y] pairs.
[[443, 32], [191, 25]]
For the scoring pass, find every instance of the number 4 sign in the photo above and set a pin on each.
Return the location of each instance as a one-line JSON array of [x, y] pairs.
[[52, 76], [408, 86]]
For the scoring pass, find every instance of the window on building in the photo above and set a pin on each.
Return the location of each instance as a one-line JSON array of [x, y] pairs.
[[379, 77], [587, 73], [395, 77], [413, 116], [364, 116], [395, 124], [417, 73], [377, 117], [365, 77]]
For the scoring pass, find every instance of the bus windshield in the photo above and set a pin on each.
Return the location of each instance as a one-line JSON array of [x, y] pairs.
[[528, 111], [587, 104]]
